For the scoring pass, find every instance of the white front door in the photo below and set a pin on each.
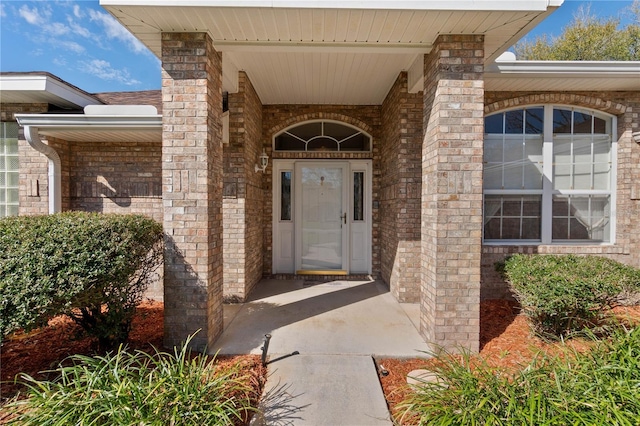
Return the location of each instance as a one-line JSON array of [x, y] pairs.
[[321, 228], [322, 216]]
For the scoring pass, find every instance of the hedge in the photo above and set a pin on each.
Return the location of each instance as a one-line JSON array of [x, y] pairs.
[[92, 267]]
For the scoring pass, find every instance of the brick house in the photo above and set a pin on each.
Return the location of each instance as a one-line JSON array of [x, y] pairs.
[[392, 139]]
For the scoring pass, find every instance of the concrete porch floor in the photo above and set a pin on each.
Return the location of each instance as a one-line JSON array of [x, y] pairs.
[[333, 318]]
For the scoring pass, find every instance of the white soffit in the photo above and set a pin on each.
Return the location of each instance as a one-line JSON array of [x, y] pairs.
[[42, 88], [346, 52], [96, 128], [562, 76]]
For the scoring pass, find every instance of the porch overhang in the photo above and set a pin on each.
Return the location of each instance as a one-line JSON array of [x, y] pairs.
[[327, 52]]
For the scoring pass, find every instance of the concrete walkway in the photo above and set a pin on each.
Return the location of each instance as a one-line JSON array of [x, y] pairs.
[[324, 338]]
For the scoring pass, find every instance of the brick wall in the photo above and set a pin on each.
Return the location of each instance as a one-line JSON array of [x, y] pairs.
[[451, 194], [626, 107], [278, 117], [243, 196], [400, 195], [192, 188]]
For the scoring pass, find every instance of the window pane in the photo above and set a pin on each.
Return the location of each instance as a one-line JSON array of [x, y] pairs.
[[534, 123], [322, 144], [493, 176], [512, 217], [581, 218], [12, 179], [582, 123], [493, 124], [561, 121], [514, 122], [599, 125], [285, 195], [601, 176], [358, 196], [359, 142], [12, 210], [338, 131], [12, 195], [286, 142], [562, 176], [307, 131], [11, 146], [493, 148]]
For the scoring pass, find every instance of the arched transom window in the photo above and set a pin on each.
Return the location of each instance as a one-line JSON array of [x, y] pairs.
[[322, 135], [549, 175]]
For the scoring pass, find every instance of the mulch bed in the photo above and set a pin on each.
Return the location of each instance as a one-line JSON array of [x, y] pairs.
[[505, 341], [44, 349]]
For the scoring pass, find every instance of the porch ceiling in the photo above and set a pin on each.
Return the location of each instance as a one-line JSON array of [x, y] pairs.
[[327, 52]]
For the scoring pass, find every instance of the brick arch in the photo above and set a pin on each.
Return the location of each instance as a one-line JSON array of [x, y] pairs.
[[587, 101], [321, 116]]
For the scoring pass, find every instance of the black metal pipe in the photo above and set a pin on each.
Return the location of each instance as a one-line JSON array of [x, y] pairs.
[[265, 348]]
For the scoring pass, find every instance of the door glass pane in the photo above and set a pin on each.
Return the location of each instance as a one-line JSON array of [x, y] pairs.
[[285, 195], [321, 218], [358, 196]]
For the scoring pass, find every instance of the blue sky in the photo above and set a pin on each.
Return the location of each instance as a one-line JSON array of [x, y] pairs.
[[81, 43]]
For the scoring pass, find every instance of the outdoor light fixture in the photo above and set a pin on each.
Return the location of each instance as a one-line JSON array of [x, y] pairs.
[[264, 160], [636, 137]]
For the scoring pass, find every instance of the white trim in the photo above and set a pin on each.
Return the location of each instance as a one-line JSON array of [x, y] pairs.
[[593, 68], [225, 46], [48, 87], [472, 5], [90, 122]]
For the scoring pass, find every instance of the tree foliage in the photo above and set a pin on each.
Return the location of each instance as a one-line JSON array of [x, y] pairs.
[[588, 38], [91, 267]]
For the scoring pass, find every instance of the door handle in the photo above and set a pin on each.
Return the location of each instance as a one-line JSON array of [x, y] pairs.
[[344, 217]]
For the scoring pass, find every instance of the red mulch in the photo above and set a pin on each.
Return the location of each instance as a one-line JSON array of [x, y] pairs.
[[506, 342], [45, 348]]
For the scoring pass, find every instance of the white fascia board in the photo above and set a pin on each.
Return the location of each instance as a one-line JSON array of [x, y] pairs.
[[47, 84], [586, 68], [90, 122], [470, 5], [320, 47]]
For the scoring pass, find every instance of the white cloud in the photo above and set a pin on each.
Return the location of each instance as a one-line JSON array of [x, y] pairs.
[[77, 12], [2, 11], [114, 30], [78, 29], [57, 29], [32, 16], [103, 70], [59, 61], [70, 45]]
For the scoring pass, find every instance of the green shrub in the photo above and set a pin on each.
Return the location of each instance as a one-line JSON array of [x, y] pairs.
[[562, 294], [91, 267], [599, 388], [136, 388]]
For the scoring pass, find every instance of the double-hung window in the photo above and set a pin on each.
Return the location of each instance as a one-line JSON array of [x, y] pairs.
[[549, 176]]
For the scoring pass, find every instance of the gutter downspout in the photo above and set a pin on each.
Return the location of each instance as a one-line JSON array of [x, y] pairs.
[[55, 167]]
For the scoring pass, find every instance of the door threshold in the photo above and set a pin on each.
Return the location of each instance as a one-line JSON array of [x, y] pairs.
[[321, 272]]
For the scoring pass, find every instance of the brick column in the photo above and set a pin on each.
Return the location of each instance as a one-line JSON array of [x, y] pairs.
[[192, 187], [452, 192]]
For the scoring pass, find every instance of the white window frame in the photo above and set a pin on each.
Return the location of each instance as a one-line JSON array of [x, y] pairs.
[[547, 187]]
